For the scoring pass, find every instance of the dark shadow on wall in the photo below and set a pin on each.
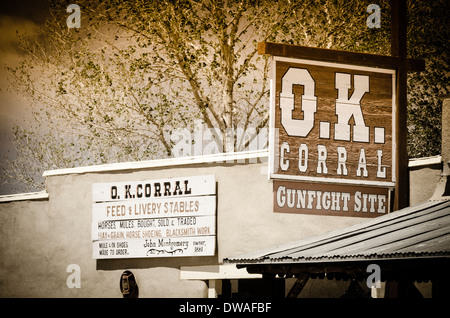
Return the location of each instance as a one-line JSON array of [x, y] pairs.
[[174, 262]]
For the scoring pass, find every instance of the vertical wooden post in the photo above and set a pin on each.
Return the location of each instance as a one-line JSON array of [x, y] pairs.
[[212, 292], [226, 288], [398, 48], [445, 148]]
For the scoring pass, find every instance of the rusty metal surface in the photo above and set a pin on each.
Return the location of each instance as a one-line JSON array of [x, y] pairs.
[[421, 231]]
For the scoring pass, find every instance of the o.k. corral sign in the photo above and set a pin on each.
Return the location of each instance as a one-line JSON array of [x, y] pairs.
[[154, 218], [332, 150]]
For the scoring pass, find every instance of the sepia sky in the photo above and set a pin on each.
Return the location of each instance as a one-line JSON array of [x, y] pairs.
[[20, 16]]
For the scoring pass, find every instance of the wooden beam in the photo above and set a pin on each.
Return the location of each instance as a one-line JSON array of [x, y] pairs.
[[297, 288], [212, 292], [337, 56], [209, 272], [398, 50], [417, 268]]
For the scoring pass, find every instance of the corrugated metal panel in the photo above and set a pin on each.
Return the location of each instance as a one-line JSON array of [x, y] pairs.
[[419, 231]]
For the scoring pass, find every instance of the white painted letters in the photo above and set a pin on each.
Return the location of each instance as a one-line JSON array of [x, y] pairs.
[[351, 107], [333, 123], [321, 159], [298, 127], [328, 199], [284, 163], [362, 164], [381, 171], [303, 158], [342, 158]]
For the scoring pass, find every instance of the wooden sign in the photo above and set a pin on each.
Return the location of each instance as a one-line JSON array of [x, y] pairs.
[[154, 218], [163, 188], [330, 199], [332, 122]]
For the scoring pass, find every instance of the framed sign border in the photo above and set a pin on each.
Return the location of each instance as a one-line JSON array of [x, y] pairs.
[[206, 189]]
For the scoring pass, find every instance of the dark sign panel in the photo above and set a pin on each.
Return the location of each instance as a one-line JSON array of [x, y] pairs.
[[330, 199]]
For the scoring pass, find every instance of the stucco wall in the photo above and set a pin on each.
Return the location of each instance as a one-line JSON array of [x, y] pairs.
[[39, 239], [423, 182]]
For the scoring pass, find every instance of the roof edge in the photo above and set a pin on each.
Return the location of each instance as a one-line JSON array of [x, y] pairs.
[[337, 258], [30, 196], [135, 165], [425, 161]]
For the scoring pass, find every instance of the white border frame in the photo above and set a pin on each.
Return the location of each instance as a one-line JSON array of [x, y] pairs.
[[30, 196], [273, 142], [219, 158]]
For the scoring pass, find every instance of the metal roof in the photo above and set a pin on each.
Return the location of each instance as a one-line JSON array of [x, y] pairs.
[[421, 231]]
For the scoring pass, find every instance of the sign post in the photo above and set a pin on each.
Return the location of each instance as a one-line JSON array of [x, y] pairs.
[[398, 49], [332, 124], [338, 121]]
